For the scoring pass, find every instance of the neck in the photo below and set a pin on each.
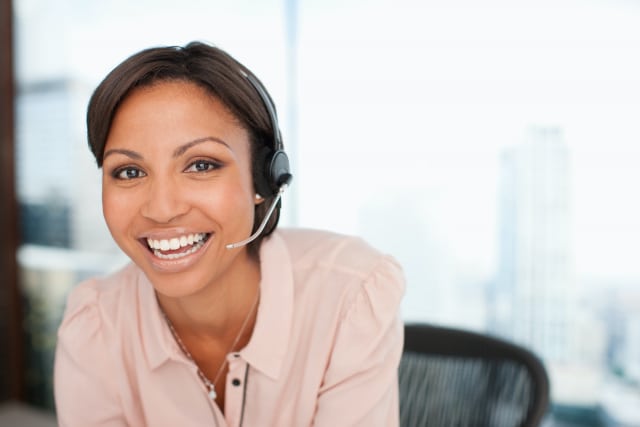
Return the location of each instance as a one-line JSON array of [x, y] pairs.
[[214, 312]]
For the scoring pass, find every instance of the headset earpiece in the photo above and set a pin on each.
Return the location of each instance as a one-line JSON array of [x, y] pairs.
[[275, 162], [279, 174]]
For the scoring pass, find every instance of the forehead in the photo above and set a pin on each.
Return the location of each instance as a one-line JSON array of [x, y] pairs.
[[175, 110], [175, 95]]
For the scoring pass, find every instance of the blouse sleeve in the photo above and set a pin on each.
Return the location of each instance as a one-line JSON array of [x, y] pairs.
[[84, 391], [361, 382]]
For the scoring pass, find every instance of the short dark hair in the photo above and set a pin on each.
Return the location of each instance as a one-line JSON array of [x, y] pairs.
[[208, 67]]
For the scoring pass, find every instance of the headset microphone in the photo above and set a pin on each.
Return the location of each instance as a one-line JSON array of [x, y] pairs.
[[255, 235]]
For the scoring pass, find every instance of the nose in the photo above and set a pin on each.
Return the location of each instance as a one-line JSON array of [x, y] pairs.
[[164, 201]]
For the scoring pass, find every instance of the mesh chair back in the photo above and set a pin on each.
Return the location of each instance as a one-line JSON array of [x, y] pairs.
[[454, 378]]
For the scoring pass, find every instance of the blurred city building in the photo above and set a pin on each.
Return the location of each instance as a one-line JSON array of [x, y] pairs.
[[537, 301], [63, 241], [534, 294]]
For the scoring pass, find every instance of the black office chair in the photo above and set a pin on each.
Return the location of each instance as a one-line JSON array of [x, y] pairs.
[[455, 378]]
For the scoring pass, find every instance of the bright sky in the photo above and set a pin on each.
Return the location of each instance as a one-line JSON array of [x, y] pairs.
[[405, 105]]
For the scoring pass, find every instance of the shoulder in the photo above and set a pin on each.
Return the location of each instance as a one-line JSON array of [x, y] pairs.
[[345, 265], [93, 305], [100, 291], [350, 254]]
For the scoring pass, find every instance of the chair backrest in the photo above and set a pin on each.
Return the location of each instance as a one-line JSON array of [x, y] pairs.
[[455, 378]]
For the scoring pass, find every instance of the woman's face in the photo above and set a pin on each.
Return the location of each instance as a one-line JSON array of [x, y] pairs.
[[177, 187]]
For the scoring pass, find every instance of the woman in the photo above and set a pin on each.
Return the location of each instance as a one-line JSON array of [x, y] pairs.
[[219, 319]]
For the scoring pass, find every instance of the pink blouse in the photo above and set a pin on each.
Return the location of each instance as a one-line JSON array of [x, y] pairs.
[[324, 351]]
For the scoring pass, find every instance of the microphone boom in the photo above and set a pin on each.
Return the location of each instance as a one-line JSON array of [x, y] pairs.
[[255, 235]]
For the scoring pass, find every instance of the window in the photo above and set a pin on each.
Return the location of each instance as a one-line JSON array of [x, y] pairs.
[[492, 148]]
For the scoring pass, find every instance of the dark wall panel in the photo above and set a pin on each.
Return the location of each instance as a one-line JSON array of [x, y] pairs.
[[10, 314]]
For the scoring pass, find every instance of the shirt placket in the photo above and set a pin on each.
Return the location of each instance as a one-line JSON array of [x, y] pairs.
[[235, 389]]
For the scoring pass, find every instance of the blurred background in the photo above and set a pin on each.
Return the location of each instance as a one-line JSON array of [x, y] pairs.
[[491, 146]]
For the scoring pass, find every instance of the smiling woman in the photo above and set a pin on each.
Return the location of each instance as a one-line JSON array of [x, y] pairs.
[[219, 317], [174, 151]]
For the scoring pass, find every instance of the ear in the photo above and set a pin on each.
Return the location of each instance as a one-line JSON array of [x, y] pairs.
[[258, 199]]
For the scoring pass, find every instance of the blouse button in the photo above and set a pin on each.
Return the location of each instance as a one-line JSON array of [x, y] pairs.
[[236, 382]]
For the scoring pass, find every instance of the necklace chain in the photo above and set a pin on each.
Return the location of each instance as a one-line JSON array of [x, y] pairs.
[[211, 385]]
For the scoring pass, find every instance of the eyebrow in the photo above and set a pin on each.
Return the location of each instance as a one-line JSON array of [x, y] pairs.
[[128, 153], [176, 153], [183, 148]]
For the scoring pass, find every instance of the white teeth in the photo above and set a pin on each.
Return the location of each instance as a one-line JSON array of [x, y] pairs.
[[176, 242]]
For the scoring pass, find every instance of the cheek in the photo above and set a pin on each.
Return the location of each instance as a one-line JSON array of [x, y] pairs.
[[228, 201], [116, 211], [232, 203]]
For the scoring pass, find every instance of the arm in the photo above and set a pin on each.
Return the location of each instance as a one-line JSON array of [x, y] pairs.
[[83, 381], [360, 387]]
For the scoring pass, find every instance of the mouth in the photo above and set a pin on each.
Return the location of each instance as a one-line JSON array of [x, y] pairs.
[[176, 247]]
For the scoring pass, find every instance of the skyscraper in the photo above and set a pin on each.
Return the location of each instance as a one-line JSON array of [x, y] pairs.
[[533, 294], [58, 183]]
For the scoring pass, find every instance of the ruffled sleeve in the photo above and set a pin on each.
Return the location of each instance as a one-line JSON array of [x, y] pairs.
[[360, 387], [84, 389]]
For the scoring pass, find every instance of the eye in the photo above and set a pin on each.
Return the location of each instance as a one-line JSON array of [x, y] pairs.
[[128, 173], [203, 166]]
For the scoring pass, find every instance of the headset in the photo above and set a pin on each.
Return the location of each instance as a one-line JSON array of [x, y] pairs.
[[276, 175], [276, 169]]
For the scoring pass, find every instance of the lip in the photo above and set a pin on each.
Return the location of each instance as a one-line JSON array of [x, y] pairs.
[[173, 265]]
